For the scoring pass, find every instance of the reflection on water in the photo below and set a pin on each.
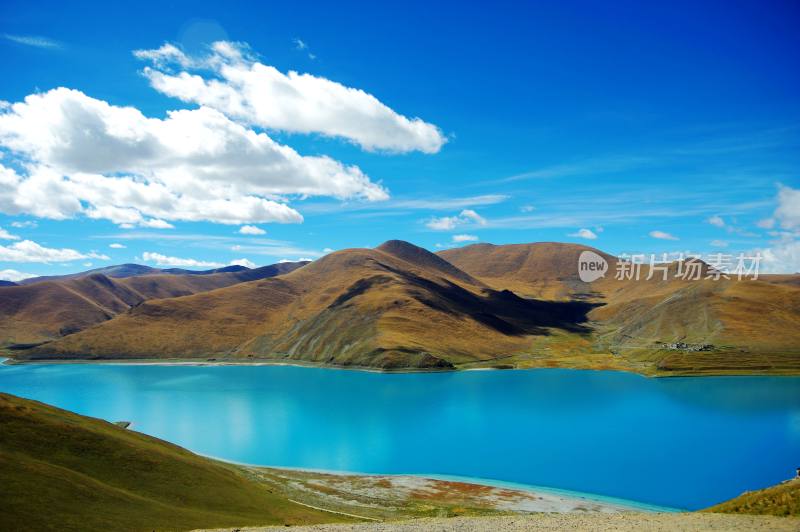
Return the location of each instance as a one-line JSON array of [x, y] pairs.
[[681, 442]]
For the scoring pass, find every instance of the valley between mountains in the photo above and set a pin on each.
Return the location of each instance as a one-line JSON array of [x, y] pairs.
[[399, 307]]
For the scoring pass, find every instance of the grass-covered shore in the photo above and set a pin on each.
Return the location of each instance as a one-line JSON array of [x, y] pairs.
[[63, 471]]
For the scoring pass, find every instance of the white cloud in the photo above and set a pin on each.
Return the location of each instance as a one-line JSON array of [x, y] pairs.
[[5, 235], [116, 245], [465, 238], [22, 225], [83, 156], [243, 262], [163, 260], [447, 223], [155, 223], [782, 257], [527, 208], [328, 250], [301, 259], [661, 235], [177, 262], [15, 276], [588, 234], [29, 251], [251, 230], [261, 95], [716, 221], [33, 40], [719, 243], [788, 211]]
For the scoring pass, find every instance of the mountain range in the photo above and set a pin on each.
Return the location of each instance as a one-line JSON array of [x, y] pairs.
[[401, 307]]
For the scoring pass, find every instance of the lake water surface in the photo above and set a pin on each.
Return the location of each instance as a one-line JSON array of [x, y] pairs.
[[677, 442]]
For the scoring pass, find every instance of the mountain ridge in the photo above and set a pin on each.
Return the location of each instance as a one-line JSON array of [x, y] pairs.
[[400, 307]]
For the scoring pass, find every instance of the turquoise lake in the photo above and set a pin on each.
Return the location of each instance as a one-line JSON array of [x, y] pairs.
[[677, 442]]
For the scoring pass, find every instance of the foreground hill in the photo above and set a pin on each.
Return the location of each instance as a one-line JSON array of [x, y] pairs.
[[50, 309], [396, 306], [62, 471], [783, 500]]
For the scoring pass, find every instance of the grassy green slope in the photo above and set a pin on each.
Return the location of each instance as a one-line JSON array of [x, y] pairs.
[[63, 471], [783, 499]]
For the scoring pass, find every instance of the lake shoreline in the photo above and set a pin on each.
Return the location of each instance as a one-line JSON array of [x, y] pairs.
[[570, 496], [11, 361]]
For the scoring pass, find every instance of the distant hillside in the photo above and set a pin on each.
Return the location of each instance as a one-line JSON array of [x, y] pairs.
[[783, 500], [7, 283], [62, 471], [49, 309], [120, 271], [394, 307], [674, 325], [547, 270]]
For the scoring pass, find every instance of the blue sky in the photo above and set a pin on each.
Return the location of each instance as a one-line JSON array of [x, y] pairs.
[[632, 128]]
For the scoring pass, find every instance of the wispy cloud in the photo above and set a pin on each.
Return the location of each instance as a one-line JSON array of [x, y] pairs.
[[33, 40], [661, 235], [248, 244], [432, 203]]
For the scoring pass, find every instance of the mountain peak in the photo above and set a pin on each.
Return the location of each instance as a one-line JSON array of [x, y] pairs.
[[423, 258]]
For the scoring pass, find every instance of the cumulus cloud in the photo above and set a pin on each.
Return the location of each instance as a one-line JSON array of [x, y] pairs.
[[15, 276], [176, 262], [80, 155], [661, 235], [588, 234], [117, 245], [716, 221], [5, 235], [29, 251], [782, 257], [230, 80], [251, 230], [447, 223], [788, 211], [243, 262]]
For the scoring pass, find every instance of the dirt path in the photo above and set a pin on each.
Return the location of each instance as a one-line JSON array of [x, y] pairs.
[[687, 522]]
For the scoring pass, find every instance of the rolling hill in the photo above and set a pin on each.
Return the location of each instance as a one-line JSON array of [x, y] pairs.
[[45, 310], [782, 499], [668, 326], [63, 471], [400, 307], [394, 307]]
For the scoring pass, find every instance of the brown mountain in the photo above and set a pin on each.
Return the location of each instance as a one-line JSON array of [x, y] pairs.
[[401, 307], [676, 325], [45, 310], [396, 306]]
